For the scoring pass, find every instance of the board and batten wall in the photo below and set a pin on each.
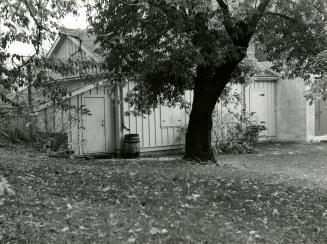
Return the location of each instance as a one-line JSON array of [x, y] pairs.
[[67, 49], [84, 137], [258, 97], [163, 129], [261, 99]]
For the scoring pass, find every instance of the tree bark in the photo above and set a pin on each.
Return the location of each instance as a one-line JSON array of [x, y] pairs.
[[198, 136], [208, 87]]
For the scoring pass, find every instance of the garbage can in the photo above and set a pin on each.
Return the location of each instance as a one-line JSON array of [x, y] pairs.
[[131, 146]]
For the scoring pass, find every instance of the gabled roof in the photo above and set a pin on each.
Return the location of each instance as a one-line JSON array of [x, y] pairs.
[[82, 38], [72, 85], [267, 71], [87, 38]]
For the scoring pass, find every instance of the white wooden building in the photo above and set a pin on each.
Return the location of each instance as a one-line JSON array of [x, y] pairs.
[[164, 128], [104, 130]]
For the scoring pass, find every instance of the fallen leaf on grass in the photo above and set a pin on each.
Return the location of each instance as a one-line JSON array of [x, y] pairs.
[[186, 206], [155, 231], [275, 211], [64, 229], [131, 240], [163, 231], [5, 187], [193, 197]]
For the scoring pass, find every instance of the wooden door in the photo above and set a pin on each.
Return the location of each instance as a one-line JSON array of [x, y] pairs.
[[259, 106], [262, 103], [94, 125], [321, 118]]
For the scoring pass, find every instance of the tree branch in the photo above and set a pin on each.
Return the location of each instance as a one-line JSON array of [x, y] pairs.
[[290, 19], [228, 24], [259, 12], [31, 13], [41, 27]]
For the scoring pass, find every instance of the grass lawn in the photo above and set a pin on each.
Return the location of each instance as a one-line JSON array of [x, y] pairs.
[[275, 196]]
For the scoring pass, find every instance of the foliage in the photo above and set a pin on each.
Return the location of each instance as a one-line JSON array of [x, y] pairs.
[[295, 40], [35, 24], [176, 45], [22, 127], [162, 43], [237, 132], [234, 129], [5, 188]]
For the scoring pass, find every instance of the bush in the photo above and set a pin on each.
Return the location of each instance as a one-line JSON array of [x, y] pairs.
[[19, 127], [240, 134]]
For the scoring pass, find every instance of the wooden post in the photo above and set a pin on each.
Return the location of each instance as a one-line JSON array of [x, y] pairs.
[[118, 121]]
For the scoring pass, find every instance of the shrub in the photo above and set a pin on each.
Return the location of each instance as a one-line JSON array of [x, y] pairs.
[[21, 127], [238, 133]]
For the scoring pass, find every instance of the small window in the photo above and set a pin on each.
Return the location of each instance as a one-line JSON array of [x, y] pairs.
[[172, 116]]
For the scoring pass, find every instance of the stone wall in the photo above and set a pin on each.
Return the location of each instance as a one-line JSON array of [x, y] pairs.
[[291, 120]]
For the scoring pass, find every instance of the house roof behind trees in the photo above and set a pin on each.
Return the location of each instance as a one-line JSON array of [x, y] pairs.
[[82, 38]]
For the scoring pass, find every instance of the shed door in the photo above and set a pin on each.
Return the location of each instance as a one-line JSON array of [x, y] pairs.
[[259, 106], [94, 125], [262, 102], [322, 118]]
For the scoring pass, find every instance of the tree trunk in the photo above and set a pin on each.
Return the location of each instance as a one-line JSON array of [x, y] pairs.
[[207, 90], [30, 99], [198, 136]]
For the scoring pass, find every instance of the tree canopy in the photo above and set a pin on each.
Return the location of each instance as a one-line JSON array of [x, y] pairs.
[[36, 24], [169, 46], [164, 41]]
